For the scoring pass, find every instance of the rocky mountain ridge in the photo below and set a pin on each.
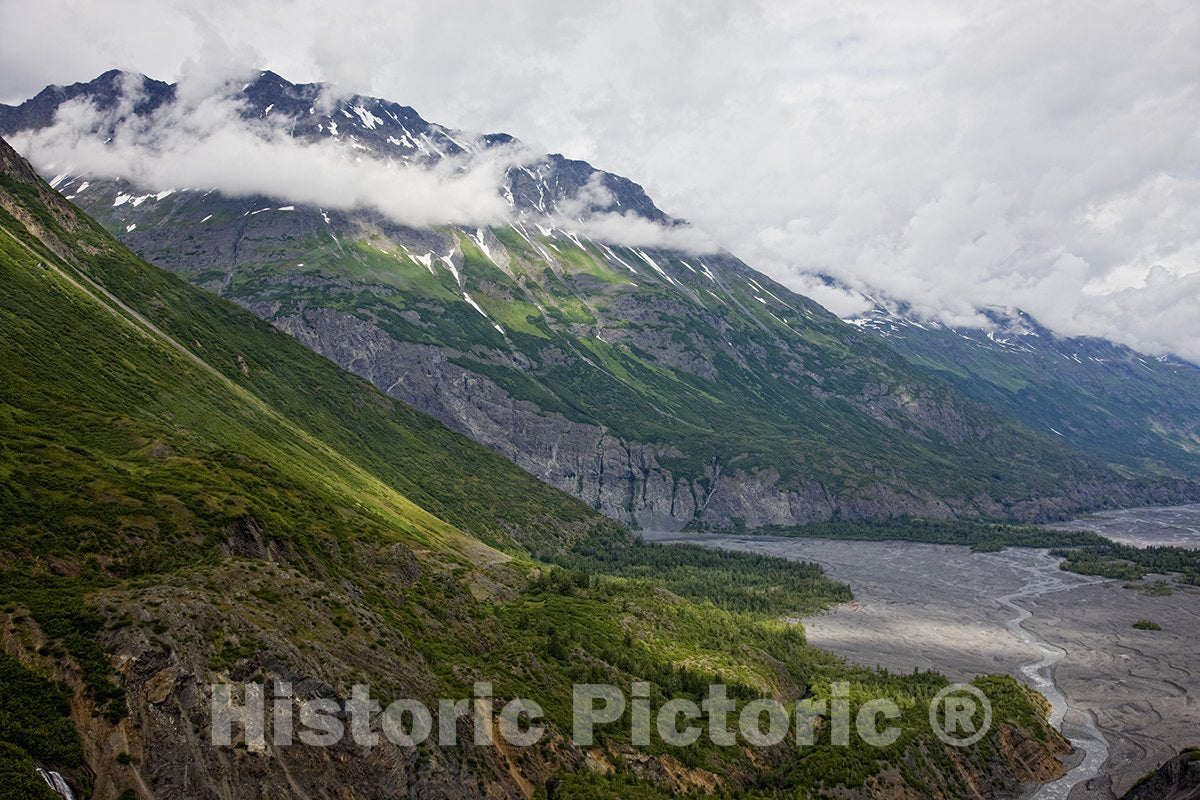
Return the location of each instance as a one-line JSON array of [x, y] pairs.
[[1138, 412], [665, 388]]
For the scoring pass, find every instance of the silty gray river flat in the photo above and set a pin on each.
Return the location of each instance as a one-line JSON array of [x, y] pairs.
[[1127, 699]]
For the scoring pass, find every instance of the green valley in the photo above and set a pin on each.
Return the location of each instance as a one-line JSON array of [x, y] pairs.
[[191, 497]]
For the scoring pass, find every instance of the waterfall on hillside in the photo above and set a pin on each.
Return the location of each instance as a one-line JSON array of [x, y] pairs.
[[58, 783]]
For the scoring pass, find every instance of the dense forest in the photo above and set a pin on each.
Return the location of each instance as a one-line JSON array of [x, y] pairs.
[[731, 581], [980, 536], [1114, 560]]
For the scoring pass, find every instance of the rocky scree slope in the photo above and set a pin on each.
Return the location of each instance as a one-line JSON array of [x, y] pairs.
[[662, 388]]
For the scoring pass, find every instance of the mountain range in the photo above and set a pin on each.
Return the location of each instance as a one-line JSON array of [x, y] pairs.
[[1139, 413], [190, 497], [665, 388]]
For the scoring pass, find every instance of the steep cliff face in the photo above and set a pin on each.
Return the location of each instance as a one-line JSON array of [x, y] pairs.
[[627, 480], [664, 388], [621, 479]]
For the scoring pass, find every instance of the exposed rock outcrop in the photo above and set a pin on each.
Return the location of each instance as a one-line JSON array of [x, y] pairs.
[[626, 480], [1178, 779]]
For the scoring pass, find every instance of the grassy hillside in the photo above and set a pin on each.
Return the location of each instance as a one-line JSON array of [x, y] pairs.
[[191, 497]]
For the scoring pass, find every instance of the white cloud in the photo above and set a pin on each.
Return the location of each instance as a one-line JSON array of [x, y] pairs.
[[953, 154], [579, 214], [205, 143], [634, 231], [844, 302], [202, 140]]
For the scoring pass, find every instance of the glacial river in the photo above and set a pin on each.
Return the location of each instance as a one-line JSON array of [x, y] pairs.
[[1044, 577], [1127, 699]]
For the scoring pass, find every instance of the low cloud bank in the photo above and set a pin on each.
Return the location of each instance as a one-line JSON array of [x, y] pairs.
[[201, 140], [631, 230], [590, 212], [206, 143]]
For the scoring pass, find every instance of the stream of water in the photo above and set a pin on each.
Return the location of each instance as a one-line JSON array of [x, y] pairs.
[[1045, 577]]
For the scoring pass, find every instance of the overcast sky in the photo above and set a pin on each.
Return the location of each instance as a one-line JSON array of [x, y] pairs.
[[1041, 154]]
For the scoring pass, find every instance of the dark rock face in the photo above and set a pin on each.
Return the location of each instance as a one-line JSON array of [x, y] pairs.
[[621, 479], [626, 480], [246, 539], [1178, 779], [106, 90]]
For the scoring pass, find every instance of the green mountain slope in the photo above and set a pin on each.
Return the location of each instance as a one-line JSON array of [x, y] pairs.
[[1139, 413], [191, 497]]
